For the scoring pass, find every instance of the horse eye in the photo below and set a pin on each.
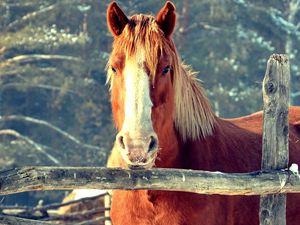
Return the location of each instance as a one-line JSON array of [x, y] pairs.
[[113, 70], [166, 70]]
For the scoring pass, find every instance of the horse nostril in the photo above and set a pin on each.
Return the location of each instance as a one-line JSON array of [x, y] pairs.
[[153, 144], [121, 141]]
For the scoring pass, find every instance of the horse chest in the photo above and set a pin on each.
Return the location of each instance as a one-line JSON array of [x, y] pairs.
[[144, 208]]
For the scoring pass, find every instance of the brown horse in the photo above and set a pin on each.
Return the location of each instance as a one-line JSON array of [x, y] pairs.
[[165, 120]]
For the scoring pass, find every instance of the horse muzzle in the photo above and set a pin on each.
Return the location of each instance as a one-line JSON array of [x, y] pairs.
[[138, 152]]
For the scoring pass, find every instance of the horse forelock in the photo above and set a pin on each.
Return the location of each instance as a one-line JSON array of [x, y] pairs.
[[141, 32], [193, 116]]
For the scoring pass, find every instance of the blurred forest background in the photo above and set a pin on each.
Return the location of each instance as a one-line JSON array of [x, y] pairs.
[[54, 104]]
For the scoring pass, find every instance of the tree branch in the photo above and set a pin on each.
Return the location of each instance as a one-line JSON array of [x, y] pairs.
[[36, 146], [295, 94], [74, 216], [44, 213], [49, 125], [37, 57], [199, 25], [52, 206], [15, 24], [40, 86], [11, 220], [15, 72]]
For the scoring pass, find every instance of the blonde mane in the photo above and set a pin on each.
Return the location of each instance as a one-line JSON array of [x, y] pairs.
[[193, 116]]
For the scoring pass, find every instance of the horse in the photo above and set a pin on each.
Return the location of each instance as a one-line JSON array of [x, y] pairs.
[[165, 120]]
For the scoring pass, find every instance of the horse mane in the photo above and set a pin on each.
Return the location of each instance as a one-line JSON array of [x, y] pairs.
[[193, 116]]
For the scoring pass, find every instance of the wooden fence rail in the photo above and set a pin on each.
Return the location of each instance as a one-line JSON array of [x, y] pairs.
[[202, 182], [272, 182]]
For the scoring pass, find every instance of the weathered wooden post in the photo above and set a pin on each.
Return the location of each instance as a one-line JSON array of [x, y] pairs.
[[275, 134], [107, 204]]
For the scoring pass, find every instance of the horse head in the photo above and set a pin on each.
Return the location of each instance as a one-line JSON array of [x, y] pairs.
[[141, 72]]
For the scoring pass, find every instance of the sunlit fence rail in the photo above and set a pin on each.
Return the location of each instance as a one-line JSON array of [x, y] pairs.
[[272, 182]]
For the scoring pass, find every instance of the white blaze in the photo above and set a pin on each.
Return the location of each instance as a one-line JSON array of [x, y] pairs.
[[138, 104]]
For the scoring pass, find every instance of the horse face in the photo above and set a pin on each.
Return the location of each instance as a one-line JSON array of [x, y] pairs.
[[142, 98]]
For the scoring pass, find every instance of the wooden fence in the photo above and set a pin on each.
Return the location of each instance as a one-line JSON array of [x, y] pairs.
[[273, 181]]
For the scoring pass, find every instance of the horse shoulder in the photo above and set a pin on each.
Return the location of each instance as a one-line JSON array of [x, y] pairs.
[[294, 119], [132, 207]]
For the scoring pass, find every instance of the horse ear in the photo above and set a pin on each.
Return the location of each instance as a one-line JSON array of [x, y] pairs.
[[116, 19], [166, 18]]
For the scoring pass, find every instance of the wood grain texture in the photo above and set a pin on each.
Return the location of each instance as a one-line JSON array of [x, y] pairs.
[[203, 182], [275, 134]]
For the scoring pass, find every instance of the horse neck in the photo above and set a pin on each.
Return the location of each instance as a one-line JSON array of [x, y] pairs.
[[190, 122], [230, 148]]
